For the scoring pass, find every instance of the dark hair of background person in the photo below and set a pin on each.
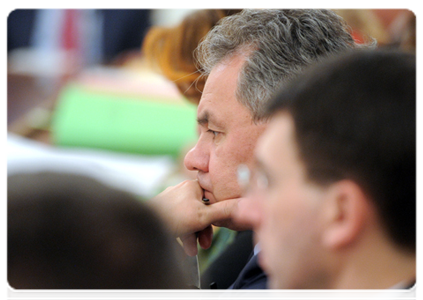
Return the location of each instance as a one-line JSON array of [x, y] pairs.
[[355, 118], [171, 49], [71, 232]]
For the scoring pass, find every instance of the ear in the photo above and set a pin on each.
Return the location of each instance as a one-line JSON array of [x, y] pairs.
[[346, 211]]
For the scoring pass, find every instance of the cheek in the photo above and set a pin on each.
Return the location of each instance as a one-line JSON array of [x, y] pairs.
[[237, 147], [291, 214], [235, 152], [223, 175], [225, 157], [275, 220], [232, 156], [287, 227]]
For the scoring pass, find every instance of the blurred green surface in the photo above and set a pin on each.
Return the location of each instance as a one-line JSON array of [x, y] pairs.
[[92, 119]]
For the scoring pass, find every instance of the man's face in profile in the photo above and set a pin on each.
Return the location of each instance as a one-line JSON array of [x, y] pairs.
[[286, 211], [227, 134]]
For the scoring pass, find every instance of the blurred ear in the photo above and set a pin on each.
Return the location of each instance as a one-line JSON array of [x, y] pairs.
[[346, 212]]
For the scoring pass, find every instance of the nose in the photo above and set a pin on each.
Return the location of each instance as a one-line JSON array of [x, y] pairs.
[[197, 159]]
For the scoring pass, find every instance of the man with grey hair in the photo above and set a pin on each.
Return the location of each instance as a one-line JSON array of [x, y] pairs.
[[247, 58]]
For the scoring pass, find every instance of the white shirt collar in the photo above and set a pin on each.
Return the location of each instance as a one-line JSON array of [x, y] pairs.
[[256, 249]]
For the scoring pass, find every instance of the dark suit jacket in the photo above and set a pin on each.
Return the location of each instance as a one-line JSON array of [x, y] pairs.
[[251, 277], [224, 270]]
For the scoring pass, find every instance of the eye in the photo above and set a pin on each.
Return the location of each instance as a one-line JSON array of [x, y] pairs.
[[215, 133]]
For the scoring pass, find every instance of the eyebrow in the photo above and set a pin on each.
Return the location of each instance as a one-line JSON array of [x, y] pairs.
[[208, 117], [204, 118]]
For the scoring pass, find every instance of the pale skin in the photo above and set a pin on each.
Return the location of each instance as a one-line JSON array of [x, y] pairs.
[[313, 236], [227, 138]]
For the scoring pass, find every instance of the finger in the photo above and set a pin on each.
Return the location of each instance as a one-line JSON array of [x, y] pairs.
[[221, 211], [189, 243], [205, 237]]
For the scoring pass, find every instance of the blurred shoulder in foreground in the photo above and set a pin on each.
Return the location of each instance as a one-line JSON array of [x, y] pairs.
[[72, 232]]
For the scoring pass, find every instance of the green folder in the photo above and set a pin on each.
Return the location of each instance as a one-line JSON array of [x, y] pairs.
[[132, 124]]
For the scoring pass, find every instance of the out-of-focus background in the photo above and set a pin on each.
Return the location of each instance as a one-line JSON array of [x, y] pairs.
[[82, 94], [80, 98]]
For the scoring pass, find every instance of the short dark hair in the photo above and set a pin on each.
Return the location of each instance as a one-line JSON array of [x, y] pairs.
[[355, 118], [72, 232]]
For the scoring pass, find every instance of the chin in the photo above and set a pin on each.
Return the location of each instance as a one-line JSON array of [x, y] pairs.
[[272, 282], [274, 288]]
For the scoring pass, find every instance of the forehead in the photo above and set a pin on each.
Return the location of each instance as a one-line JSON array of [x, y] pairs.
[[219, 94]]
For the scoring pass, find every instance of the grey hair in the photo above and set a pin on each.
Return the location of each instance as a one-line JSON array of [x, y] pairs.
[[278, 45]]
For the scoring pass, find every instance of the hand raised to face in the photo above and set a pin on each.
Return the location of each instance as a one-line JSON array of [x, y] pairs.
[[187, 216]]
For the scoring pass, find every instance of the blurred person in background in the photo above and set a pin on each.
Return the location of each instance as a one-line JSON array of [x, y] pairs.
[[170, 49], [403, 31], [69, 231], [400, 24], [247, 57], [332, 197], [99, 36], [365, 24]]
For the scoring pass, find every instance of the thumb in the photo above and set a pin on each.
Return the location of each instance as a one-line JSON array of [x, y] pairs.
[[222, 210], [223, 214]]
